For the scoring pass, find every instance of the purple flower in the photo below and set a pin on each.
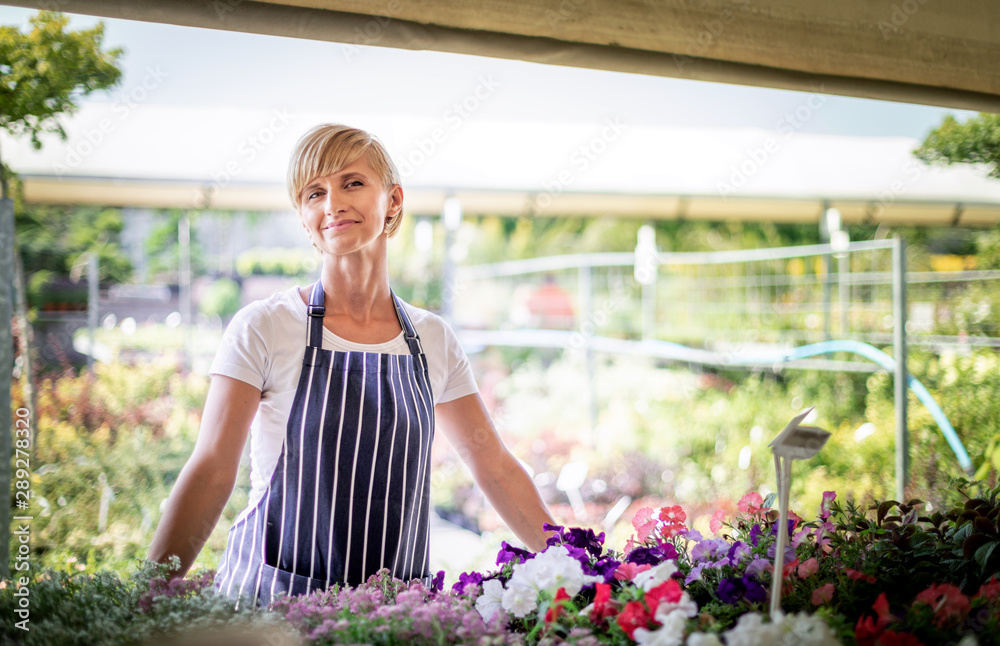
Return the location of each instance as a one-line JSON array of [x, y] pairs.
[[465, 579], [738, 553], [559, 536], [791, 528], [606, 567], [789, 552], [755, 592], [585, 539], [694, 574], [709, 550], [755, 534], [651, 555], [758, 566], [731, 591], [691, 535], [508, 553], [437, 585]]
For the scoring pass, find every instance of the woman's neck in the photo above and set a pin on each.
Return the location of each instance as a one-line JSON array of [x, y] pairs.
[[357, 286]]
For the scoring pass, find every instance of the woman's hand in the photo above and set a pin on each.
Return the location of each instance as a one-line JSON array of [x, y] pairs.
[[467, 425]]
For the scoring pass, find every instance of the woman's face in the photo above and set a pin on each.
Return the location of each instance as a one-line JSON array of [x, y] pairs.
[[345, 212]]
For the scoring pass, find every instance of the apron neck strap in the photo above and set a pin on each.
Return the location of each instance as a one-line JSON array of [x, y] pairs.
[[317, 310]]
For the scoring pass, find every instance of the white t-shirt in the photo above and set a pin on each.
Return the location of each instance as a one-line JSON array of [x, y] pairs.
[[264, 345]]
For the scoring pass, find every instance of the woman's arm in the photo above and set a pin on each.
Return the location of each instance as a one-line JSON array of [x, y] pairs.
[[467, 425], [206, 482]]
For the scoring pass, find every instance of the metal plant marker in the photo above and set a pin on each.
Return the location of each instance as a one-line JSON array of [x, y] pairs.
[[794, 442]]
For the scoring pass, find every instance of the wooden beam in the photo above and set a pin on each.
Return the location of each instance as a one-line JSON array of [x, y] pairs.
[[915, 51]]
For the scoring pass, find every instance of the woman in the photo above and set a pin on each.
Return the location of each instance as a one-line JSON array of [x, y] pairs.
[[340, 460]]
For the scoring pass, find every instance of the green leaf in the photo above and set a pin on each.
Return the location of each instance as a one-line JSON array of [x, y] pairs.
[[984, 553]]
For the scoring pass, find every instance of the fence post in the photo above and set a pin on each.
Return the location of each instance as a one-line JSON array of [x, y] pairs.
[[900, 378], [586, 292], [93, 294], [6, 369]]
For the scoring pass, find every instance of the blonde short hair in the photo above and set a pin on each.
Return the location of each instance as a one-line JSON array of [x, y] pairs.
[[327, 148]]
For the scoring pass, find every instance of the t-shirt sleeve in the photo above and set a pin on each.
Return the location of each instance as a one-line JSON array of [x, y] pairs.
[[243, 353], [460, 380]]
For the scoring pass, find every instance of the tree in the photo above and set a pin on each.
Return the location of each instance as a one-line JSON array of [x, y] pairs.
[[43, 74], [976, 141]]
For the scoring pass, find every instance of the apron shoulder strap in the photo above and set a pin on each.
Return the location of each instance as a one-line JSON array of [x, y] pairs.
[[409, 331], [316, 310]]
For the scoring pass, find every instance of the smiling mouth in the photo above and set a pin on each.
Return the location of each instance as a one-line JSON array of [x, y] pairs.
[[341, 224]]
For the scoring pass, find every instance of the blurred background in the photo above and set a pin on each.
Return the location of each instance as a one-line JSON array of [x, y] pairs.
[[631, 263]]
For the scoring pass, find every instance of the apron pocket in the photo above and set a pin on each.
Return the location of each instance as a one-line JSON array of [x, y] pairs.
[[274, 581]]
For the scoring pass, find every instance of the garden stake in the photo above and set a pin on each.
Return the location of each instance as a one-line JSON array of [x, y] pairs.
[[794, 442]]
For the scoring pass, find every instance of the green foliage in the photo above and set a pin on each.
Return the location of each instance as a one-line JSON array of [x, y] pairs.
[[108, 609], [56, 240], [163, 249], [976, 141], [276, 262], [46, 71], [222, 299]]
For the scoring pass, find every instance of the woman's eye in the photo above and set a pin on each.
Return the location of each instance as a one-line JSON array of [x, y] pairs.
[[357, 181]]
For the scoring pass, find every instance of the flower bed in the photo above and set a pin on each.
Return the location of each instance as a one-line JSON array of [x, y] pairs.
[[891, 574]]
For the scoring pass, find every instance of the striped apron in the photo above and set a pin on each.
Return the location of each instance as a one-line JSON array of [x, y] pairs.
[[350, 492]]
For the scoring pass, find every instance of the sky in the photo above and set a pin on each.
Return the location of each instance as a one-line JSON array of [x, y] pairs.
[[215, 68]]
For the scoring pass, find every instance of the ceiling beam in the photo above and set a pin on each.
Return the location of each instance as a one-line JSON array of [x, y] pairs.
[[913, 51]]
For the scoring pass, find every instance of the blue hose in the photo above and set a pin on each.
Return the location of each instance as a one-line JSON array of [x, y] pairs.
[[882, 359]]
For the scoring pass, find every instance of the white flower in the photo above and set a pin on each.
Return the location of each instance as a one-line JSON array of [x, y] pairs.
[[671, 633], [703, 639], [807, 630], [750, 630], [519, 598], [685, 606], [553, 569], [489, 602], [655, 576]]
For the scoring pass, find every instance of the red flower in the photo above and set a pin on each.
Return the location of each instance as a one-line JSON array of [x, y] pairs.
[[667, 592], [949, 604], [868, 630], [634, 616], [553, 612], [822, 594], [989, 590], [890, 638], [603, 606], [859, 576], [673, 514], [627, 571]]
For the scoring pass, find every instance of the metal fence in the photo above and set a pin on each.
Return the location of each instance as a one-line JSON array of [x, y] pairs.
[[747, 308]]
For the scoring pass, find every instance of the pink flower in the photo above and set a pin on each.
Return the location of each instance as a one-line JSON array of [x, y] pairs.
[[717, 519], [627, 571], [824, 507], [808, 568], [822, 594], [949, 604], [644, 523], [750, 503]]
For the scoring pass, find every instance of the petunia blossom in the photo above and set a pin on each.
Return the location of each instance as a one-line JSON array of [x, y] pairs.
[[824, 507], [633, 616], [718, 518], [751, 503], [644, 523], [808, 568], [949, 604], [649, 579], [490, 601], [822, 594], [670, 633]]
